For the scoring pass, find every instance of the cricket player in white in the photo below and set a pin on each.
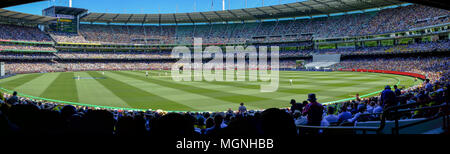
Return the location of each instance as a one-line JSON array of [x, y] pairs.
[[290, 81], [146, 74]]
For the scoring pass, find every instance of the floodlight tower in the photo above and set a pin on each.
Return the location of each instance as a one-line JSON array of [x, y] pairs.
[[70, 3], [223, 4]]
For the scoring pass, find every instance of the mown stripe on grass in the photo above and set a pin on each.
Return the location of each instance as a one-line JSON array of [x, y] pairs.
[[285, 88], [135, 97], [326, 87], [62, 88], [254, 86], [222, 95], [37, 86], [92, 92], [13, 84], [194, 100], [4, 80]]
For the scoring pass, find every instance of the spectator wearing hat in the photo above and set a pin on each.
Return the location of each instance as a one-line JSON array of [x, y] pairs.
[[313, 110]]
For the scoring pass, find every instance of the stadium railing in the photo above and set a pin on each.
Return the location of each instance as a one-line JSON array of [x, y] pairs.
[[392, 113], [397, 111]]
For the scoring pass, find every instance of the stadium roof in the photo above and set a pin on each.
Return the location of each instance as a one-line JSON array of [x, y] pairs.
[[18, 16], [297, 9]]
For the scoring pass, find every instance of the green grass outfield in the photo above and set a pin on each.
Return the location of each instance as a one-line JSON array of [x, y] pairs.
[[130, 89]]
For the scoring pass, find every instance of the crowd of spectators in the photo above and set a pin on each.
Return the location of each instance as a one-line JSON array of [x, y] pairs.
[[40, 67], [88, 66], [68, 37], [357, 24], [404, 18], [26, 47], [19, 115], [432, 67], [383, 21], [22, 33], [33, 55], [441, 45], [112, 34], [30, 67], [25, 115], [115, 55]]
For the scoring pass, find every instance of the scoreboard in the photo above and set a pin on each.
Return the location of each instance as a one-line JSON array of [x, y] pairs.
[[65, 25], [67, 18]]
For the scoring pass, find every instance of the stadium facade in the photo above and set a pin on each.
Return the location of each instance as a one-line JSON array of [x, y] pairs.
[[381, 36]]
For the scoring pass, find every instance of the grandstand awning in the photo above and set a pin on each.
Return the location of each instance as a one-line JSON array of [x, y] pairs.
[[13, 16], [297, 9]]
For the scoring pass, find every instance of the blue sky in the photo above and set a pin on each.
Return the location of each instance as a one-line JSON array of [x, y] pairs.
[[146, 6]]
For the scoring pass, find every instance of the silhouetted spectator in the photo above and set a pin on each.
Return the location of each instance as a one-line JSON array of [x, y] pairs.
[[276, 122], [313, 110], [218, 119], [295, 106], [388, 97], [397, 91], [13, 99], [172, 125]]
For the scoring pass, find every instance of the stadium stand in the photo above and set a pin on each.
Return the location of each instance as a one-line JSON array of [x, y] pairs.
[[22, 33], [67, 118], [121, 45], [358, 24]]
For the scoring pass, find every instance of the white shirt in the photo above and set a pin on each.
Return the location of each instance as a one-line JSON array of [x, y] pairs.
[[223, 125], [301, 120], [378, 109], [331, 118], [370, 109], [324, 122], [356, 117]]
